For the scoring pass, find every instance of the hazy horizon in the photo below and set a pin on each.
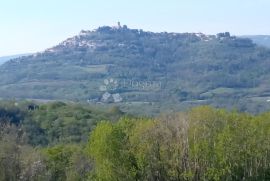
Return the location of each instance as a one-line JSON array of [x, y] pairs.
[[31, 26]]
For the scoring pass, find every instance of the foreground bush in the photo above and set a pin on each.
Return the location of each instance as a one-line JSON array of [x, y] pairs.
[[202, 144]]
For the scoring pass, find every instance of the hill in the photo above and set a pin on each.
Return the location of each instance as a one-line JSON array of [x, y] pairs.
[[145, 70]]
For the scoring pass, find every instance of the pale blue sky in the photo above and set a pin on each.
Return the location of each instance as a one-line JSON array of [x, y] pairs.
[[33, 25]]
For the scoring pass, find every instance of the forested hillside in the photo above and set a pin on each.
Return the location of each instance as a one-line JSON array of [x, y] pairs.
[[145, 71], [57, 142]]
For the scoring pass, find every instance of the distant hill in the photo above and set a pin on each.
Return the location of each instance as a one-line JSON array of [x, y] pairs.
[[145, 70], [263, 40], [6, 58]]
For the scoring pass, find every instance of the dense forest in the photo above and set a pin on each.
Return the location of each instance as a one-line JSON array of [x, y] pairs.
[[60, 141]]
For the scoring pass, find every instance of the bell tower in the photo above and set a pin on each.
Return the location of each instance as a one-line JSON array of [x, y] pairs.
[[119, 25]]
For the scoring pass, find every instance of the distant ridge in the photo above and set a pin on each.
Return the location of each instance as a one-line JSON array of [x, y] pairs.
[[3, 59], [263, 40]]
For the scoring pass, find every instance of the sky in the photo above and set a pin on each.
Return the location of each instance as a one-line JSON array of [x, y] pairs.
[[28, 26]]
